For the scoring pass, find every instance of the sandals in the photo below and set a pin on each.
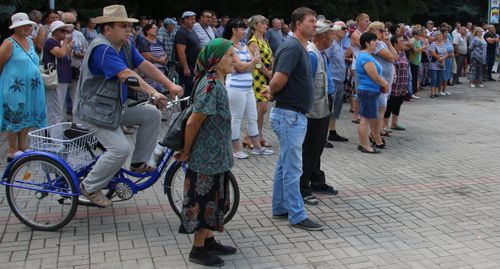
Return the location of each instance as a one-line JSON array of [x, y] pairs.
[[356, 121], [265, 144], [96, 197], [247, 145], [385, 134]]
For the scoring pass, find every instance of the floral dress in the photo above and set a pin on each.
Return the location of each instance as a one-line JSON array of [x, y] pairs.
[[206, 196], [259, 79], [22, 95]]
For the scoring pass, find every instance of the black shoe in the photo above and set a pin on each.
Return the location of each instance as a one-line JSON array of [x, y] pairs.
[[201, 256], [337, 138], [217, 247], [309, 225], [281, 216], [324, 189], [328, 145], [310, 200], [491, 79]]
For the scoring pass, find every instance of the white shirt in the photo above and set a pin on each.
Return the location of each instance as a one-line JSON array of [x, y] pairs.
[[80, 45]]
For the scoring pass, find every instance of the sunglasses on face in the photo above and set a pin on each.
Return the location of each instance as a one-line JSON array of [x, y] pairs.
[[123, 25], [344, 28]]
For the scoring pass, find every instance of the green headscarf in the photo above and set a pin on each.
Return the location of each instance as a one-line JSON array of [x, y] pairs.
[[208, 58]]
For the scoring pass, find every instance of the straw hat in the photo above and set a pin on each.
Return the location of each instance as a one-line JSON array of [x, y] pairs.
[[114, 13], [20, 19]]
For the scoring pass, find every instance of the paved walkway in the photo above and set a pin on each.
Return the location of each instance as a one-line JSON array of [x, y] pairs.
[[431, 200]]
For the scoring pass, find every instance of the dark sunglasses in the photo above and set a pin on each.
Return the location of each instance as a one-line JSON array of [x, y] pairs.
[[344, 28]]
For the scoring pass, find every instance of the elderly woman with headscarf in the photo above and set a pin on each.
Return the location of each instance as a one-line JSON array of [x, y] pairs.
[[22, 96], [207, 150]]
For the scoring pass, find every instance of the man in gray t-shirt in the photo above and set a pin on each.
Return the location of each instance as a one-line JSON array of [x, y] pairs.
[[292, 86], [274, 35]]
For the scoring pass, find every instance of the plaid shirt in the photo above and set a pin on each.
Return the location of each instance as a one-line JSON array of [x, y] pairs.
[[400, 82], [167, 39]]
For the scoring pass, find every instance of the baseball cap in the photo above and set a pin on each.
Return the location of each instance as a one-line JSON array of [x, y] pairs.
[[169, 21], [188, 14], [323, 26]]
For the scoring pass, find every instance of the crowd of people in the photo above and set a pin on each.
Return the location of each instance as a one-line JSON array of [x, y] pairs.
[[234, 68]]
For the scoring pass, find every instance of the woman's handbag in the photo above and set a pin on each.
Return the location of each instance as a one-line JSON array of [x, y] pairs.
[[49, 76], [174, 138]]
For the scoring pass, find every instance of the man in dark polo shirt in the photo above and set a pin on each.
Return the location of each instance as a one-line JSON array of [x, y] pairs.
[[187, 46], [292, 88]]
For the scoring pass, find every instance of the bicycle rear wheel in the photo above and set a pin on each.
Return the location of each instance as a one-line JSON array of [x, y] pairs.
[[41, 193], [175, 192]]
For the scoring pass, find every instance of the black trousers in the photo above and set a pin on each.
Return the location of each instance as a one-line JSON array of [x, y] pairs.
[[393, 106], [312, 148]]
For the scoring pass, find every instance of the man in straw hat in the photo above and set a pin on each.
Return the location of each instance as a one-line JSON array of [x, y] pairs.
[[101, 93]]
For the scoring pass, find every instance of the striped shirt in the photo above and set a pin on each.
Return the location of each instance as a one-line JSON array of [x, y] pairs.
[[241, 81]]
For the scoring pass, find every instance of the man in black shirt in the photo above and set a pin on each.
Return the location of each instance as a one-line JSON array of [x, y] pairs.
[[492, 39], [292, 87], [187, 46]]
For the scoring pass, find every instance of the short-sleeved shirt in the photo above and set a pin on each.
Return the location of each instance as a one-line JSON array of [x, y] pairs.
[[63, 64], [192, 43], [416, 57], [106, 61], [292, 59], [205, 34], [491, 48], [461, 43], [336, 58], [211, 152], [387, 66], [441, 50], [275, 38], [365, 82]]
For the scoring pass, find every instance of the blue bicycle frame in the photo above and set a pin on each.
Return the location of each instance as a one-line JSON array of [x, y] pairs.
[[55, 186]]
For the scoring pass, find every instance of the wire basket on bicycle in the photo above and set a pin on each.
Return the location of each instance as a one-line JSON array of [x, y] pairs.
[[60, 140]]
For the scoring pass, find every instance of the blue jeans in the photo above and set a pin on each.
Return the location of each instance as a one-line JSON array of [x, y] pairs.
[[290, 127]]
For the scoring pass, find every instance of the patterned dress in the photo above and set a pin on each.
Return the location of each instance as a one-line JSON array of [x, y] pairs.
[[206, 197], [259, 78], [22, 95]]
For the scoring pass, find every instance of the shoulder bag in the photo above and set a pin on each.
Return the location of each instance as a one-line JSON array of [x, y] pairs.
[[49, 74], [174, 138]]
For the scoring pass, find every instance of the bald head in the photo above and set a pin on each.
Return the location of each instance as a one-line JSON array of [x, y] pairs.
[[339, 30]]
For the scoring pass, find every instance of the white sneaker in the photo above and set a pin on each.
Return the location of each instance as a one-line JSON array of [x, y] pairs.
[[481, 85], [447, 92], [240, 155], [442, 93], [415, 97], [262, 151], [473, 86]]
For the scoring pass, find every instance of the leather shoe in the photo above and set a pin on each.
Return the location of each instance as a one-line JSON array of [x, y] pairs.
[[328, 145]]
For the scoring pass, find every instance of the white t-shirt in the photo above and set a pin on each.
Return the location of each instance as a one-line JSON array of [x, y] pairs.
[[461, 43]]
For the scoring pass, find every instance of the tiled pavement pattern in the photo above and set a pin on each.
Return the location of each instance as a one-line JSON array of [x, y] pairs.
[[431, 200]]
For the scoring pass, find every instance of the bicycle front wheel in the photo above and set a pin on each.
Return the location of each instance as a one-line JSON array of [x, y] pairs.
[[41, 193], [175, 192]]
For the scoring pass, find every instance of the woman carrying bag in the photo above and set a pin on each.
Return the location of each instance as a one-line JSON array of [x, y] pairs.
[[22, 99]]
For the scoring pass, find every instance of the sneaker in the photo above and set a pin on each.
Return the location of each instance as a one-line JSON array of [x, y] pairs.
[[447, 92], [309, 225], [240, 155], [473, 86], [324, 189], [415, 97], [442, 93], [262, 151], [311, 200], [97, 198], [481, 85], [201, 256], [337, 138]]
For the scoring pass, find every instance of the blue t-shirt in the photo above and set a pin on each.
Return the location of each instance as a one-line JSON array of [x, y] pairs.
[[336, 58], [365, 82], [106, 61], [63, 65]]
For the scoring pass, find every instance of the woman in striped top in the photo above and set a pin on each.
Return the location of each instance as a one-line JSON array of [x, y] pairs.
[[240, 93], [152, 50]]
